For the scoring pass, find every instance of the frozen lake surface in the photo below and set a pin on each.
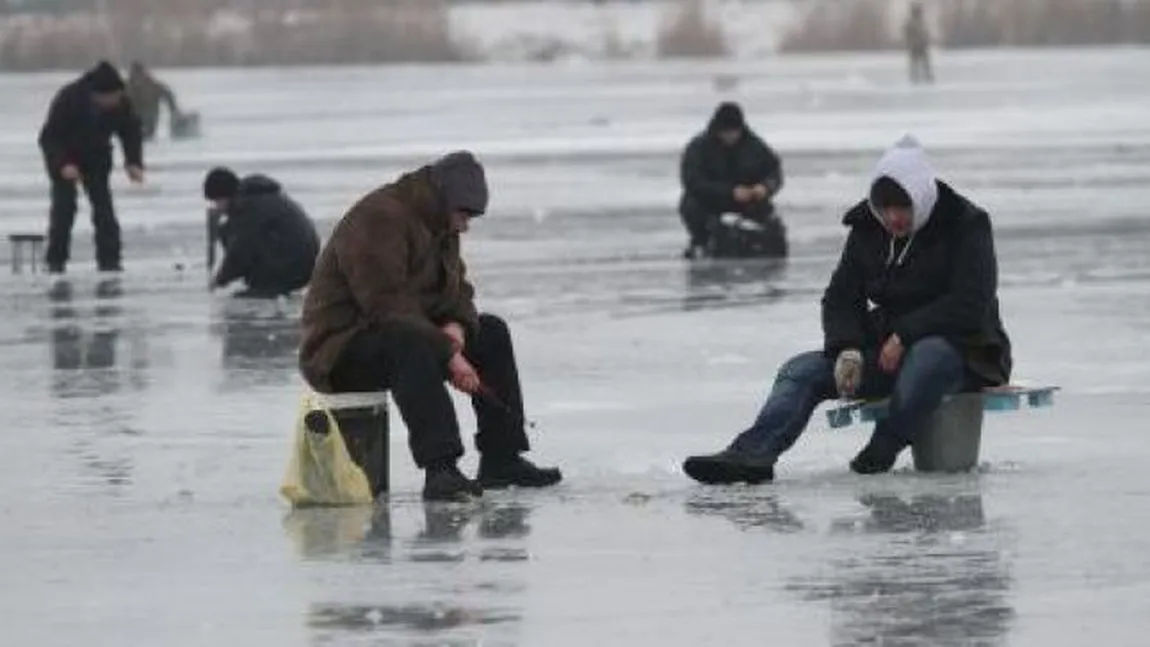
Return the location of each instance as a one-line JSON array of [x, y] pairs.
[[147, 422]]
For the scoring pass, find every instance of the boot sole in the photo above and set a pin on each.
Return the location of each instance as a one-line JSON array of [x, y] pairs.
[[870, 470], [503, 484], [870, 467], [710, 472], [457, 497]]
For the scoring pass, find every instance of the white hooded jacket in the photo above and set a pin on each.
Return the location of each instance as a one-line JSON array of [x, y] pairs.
[[907, 164]]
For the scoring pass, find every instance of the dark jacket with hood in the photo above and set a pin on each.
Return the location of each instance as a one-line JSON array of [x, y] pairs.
[[710, 170], [941, 280], [78, 132], [268, 239], [391, 261]]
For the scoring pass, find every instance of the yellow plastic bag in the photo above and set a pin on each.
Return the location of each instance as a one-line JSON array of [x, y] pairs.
[[321, 472]]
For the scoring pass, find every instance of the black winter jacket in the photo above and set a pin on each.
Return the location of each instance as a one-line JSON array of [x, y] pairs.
[[77, 132], [710, 170], [268, 239], [941, 281]]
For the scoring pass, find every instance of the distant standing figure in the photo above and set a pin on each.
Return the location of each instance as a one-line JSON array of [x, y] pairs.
[[917, 37], [146, 92], [726, 169], [76, 144], [269, 242]]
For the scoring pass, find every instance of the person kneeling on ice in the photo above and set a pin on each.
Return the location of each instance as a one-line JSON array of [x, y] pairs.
[[923, 255], [729, 169], [268, 240], [390, 307]]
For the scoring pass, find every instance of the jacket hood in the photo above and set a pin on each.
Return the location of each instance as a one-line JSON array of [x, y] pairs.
[[907, 164], [415, 191], [104, 77], [259, 185], [728, 116]]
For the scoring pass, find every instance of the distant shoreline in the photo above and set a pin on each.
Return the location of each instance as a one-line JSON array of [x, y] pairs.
[[199, 33]]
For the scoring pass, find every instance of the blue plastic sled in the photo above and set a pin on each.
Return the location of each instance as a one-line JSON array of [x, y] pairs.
[[998, 398]]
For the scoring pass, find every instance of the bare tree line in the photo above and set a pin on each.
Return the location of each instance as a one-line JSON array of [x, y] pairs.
[[228, 32], [827, 25], [287, 32]]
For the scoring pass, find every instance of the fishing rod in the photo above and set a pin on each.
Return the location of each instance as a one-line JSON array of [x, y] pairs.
[[489, 395]]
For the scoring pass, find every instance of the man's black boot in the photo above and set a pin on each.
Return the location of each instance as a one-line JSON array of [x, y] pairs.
[[444, 482], [501, 471], [730, 466], [879, 455]]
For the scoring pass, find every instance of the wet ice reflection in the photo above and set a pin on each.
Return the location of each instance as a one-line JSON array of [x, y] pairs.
[[146, 421], [927, 572], [436, 573], [730, 283]]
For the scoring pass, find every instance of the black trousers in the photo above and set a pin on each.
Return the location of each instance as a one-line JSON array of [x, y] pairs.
[[403, 361], [63, 217], [274, 281], [264, 279]]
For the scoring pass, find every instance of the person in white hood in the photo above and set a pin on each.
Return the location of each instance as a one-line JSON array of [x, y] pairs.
[[911, 312]]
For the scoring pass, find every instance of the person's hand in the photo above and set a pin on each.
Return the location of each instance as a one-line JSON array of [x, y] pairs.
[[70, 172], [456, 334], [744, 194], [760, 191], [462, 375], [136, 174], [848, 372], [891, 356]]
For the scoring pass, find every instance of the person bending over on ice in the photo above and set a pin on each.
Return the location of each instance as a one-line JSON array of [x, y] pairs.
[[269, 242], [390, 307], [924, 256], [146, 92], [76, 143], [726, 169]]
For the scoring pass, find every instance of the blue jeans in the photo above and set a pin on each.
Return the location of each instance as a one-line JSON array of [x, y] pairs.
[[931, 369]]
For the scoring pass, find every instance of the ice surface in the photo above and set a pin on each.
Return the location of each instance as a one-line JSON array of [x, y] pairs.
[[146, 423]]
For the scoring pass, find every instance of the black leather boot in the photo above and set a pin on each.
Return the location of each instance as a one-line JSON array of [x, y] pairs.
[[444, 482], [497, 472], [730, 466]]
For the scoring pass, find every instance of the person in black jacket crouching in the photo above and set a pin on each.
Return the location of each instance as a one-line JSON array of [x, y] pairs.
[[268, 240], [729, 169], [923, 256]]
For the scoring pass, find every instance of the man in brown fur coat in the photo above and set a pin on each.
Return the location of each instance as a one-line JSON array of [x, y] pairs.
[[390, 307]]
